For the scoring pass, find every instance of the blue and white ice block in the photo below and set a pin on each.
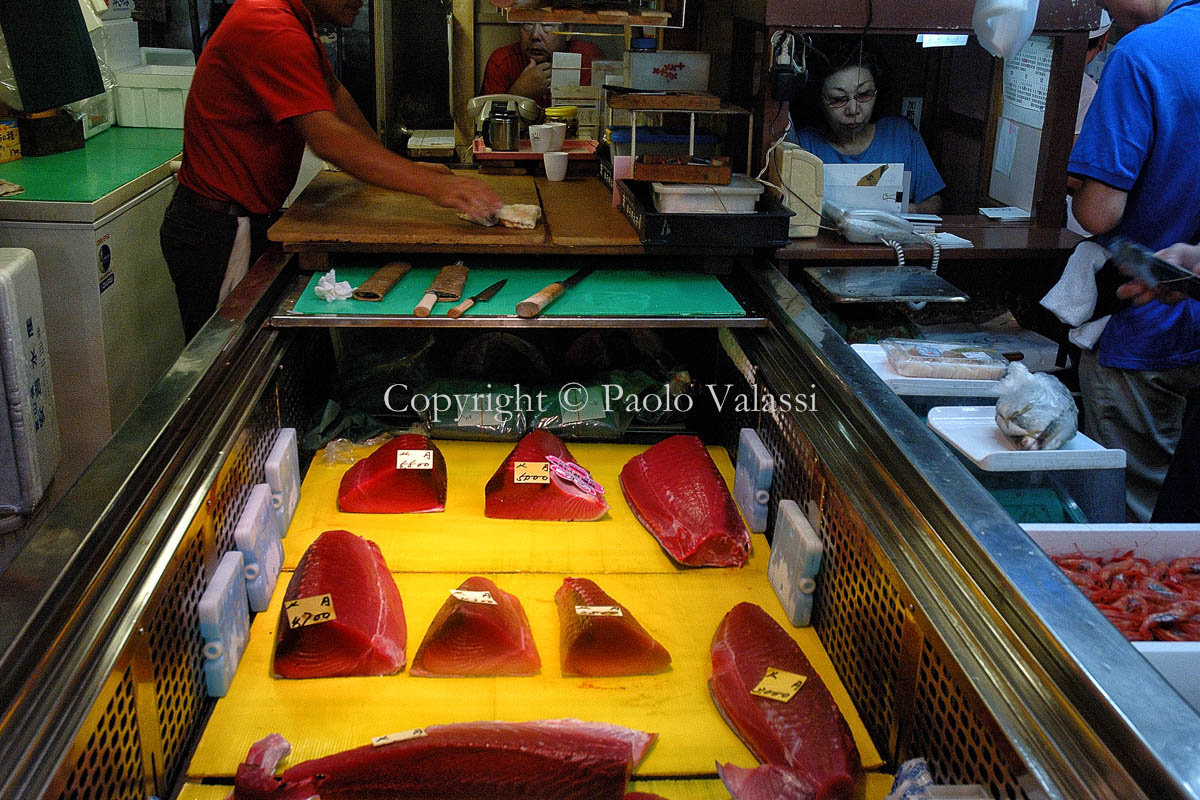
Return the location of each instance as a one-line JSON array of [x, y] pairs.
[[224, 623], [257, 537], [752, 480], [795, 560], [283, 476]]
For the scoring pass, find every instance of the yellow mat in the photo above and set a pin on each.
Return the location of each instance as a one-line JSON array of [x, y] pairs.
[[323, 716], [462, 538]]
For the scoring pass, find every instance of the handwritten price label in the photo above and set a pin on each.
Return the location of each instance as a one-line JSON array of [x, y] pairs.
[[305, 611], [483, 598], [779, 685], [599, 611], [531, 472], [414, 459], [402, 736]]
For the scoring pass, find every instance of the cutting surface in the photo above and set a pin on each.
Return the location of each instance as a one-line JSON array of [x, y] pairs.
[[579, 213], [615, 292], [337, 208]]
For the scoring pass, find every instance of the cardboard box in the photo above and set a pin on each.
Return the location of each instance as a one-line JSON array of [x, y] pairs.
[[10, 141]]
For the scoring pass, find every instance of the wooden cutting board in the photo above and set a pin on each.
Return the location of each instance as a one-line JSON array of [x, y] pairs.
[[580, 213], [338, 208]]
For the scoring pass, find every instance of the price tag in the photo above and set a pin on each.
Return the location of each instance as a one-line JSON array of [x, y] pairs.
[[414, 459], [305, 611], [599, 611], [570, 471], [483, 598], [531, 472], [779, 685], [402, 736]]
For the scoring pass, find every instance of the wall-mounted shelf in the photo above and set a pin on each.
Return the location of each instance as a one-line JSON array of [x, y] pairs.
[[632, 16]]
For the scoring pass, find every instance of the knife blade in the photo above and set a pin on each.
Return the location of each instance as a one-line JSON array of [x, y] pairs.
[[537, 302], [482, 297]]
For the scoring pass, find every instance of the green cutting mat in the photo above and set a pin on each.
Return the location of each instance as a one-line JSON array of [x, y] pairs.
[[604, 293], [108, 160]]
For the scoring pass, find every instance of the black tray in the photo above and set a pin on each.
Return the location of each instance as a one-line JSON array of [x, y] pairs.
[[766, 227]]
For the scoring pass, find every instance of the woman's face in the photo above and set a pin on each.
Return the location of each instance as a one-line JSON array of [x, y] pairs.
[[848, 98]]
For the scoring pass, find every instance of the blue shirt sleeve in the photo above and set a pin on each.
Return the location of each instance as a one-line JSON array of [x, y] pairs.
[[926, 180], [1118, 130]]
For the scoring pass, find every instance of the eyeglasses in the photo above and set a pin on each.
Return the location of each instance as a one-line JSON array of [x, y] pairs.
[[547, 27], [865, 96]]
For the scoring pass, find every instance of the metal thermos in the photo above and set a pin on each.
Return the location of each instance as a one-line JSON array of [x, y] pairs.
[[503, 129]]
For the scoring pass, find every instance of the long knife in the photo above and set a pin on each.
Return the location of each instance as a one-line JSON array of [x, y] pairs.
[[482, 297], [538, 302]]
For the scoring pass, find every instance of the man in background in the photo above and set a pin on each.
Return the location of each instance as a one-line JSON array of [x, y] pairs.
[[523, 67]]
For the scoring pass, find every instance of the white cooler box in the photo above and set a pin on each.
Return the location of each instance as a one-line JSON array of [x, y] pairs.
[[739, 197], [152, 95]]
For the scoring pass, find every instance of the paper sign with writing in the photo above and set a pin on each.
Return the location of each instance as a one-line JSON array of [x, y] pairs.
[[402, 736], [599, 611], [531, 472], [779, 685], [483, 598], [314, 610], [414, 459]]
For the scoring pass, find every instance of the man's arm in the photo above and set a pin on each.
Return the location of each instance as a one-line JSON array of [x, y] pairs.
[[1098, 206]]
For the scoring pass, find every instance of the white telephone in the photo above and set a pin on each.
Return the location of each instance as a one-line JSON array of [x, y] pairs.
[[871, 226]]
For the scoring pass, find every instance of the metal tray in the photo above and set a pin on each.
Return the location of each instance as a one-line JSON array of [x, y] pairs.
[[884, 285]]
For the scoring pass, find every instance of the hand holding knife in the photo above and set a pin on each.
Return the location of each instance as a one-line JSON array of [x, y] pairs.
[[536, 303]]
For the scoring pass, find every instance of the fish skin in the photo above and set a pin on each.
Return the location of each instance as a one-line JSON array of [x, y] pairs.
[[808, 734], [677, 493], [368, 636], [374, 485], [455, 644], [766, 782], [559, 500], [603, 646], [563, 759]]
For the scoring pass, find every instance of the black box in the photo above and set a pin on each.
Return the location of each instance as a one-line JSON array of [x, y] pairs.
[[45, 136], [766, 227]]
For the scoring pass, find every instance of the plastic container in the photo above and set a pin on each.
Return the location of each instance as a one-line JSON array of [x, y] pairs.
[[224, 623], [796, 553], [752, 480], [152, 96], [739, 197], [918, 358], [670, 70], [168, 56], [656, 141], [566, 114], [767, 226]]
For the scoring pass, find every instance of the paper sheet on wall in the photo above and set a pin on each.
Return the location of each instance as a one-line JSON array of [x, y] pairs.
[[1026, 78], [1006, 146]]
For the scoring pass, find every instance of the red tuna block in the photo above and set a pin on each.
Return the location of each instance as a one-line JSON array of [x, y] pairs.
[[676, 491], [570, 496], [806, 734], [475, 633], [556, 759], [368, 635], [767, 782], [593, 643], [376, 485]]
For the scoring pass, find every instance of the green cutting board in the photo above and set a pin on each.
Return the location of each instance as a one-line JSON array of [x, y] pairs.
[[604, 293]]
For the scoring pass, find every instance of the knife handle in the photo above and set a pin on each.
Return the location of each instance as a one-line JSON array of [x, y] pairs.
[[461, 308], [538, 302], [426, 305]]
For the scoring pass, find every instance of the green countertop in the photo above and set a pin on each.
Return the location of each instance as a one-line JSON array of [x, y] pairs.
[[108, 160]]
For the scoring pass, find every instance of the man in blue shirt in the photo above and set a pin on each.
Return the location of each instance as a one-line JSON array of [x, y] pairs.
[[1137, 158]]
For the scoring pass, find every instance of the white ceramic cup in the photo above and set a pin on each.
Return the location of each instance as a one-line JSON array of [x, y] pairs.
[[559, 131], [556, 165], [541, 138]]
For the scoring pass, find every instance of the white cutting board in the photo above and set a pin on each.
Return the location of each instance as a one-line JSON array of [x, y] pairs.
[[922, 387], [972, 431]]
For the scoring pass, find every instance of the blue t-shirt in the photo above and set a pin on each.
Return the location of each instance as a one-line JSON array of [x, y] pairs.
[[896, 140], [1142, 135]]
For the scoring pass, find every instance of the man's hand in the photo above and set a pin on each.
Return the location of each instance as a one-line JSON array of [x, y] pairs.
[[1185, 255], [469, 195], [534, 80]]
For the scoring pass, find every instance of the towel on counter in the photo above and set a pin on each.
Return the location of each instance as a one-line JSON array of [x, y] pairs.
[[1073, 298], [8, 188]]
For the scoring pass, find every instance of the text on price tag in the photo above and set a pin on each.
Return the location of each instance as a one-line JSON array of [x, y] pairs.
[[531, 472], [779, 685], [313, 610], [483, 598], [599, 611], [414, 459]]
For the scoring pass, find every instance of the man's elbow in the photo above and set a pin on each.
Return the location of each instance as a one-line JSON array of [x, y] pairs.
[[1098, 207], [1095, 219]]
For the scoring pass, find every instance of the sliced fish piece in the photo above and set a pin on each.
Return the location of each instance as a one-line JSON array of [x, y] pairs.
[[806, 734], [599, 637], [377, 485], [480, 630], [676, 491], [563, 498], [556, 759], [367, 635], [767, 782]]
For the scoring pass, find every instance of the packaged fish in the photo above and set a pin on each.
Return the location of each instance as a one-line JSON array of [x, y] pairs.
[[473, 410], [918, 358], [1035, 410]]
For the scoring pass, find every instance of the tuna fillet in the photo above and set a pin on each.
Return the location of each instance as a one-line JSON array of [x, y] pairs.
[[377, 485], [367, 635], [676, 491], [599, 637], [767, 782], [556, 759], [480, 630], [806, 734], [570, 496]]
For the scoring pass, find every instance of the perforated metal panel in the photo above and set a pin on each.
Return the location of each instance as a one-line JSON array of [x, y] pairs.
[[108, 764]]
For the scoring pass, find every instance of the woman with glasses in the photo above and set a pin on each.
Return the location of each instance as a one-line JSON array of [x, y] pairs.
[[846, 88], [523, 67]]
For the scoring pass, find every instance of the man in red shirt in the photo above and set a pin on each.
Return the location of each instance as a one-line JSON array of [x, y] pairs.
[[263, 89], [523, 67]]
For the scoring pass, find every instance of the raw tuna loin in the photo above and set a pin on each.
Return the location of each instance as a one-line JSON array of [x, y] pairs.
[[767, 782], [556, 759], [806, 734], [368, 635], [376, 486], [471, 636], [561, 499], [676, 491], [598, 645]]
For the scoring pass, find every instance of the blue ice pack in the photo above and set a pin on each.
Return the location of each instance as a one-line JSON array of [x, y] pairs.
[[795, 559], [752, 480], [283, 476], [257, 537], [224, 623]]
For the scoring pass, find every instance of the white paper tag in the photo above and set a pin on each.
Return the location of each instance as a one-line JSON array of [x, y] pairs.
[[483, 598], [414, 459], [305, 611], [599, 611], [531, 472], [402, 736], [778, 684]]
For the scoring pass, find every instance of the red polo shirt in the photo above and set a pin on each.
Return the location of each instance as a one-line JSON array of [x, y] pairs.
[[263, 66], [506, 65]]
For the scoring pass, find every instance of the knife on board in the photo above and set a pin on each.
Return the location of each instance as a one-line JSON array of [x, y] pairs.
[[537, 302], [482, 297]]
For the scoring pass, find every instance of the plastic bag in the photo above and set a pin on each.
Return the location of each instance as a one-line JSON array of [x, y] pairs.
[[1003, 26], [1035, 410], [919, 358], [575, 411], [474, 410]]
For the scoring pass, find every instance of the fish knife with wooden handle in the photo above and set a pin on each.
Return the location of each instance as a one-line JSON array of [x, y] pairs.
[[382, 280], [482, 297], [537, 302], [448, 285]]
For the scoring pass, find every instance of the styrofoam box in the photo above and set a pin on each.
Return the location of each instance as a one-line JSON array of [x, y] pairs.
[[1179, 662], [675, 70], [168, 56], [152, 95], [738, 197]]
